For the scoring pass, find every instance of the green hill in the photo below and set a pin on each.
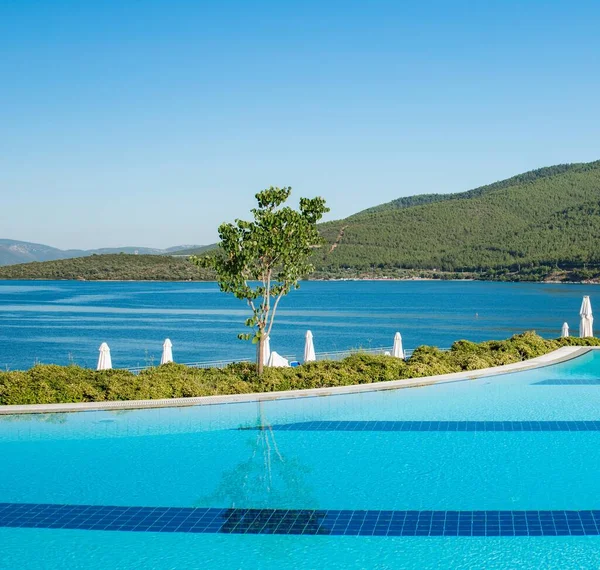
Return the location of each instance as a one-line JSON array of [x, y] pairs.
[[548, 217], [113, 267]]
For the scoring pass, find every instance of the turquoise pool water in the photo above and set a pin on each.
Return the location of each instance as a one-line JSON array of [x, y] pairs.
[[213, 456]]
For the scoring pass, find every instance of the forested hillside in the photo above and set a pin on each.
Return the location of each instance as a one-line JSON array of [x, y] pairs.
[[113, 267], [549, 217]]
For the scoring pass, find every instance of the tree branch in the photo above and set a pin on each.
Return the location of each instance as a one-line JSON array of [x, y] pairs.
[[274, 310]]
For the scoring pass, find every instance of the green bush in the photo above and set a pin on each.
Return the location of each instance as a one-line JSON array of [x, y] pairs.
[[48, 384]]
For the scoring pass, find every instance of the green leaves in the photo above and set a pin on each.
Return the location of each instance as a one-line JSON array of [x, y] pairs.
[[271, 198]]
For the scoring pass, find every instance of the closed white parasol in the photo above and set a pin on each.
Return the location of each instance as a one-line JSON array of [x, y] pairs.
[[266, 349], [586, 325], [398, 350], [309, 348], [167, 353], [104, 360]]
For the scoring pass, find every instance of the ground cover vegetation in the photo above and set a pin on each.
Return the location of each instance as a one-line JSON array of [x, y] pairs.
[[47, 384]]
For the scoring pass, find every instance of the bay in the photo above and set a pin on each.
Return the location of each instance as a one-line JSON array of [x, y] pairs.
[[62, 321]]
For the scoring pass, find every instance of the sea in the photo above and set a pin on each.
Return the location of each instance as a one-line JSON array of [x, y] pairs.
[[64, 322]]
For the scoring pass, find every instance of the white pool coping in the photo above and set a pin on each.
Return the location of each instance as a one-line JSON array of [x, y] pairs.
[[561, 355]]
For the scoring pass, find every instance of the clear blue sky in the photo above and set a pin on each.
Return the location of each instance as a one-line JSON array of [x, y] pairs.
[[149, 122]]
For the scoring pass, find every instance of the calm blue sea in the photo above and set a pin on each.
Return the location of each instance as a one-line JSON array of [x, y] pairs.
[[61, 322]]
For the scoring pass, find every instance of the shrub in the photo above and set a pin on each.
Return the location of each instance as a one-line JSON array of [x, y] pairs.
[[47, 384]]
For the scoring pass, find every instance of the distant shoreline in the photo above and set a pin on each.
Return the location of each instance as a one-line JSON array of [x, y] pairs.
[[319, 280]]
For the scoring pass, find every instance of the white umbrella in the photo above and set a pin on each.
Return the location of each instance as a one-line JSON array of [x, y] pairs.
[[587, 320], [104, 360], [309, 348], [398, 351], [167, 354], [565, 330], [277, 361], [266, 348]]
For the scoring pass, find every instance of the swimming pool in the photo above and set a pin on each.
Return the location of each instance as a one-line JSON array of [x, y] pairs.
[[498, 472]]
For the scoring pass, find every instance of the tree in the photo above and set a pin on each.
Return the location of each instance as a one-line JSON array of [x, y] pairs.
[[262, 260]]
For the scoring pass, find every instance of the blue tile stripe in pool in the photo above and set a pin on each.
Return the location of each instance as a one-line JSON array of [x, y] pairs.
[[568, 382], [307, 522], [433, 426]]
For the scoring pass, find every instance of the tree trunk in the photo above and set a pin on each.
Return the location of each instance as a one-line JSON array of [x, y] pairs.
[[260, 365]]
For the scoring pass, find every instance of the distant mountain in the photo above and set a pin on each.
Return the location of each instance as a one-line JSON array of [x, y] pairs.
[[193, 249], [13, 252]]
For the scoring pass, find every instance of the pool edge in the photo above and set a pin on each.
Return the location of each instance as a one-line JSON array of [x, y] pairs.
[[562, 354]]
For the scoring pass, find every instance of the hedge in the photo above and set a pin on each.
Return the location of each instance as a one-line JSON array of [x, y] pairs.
[[48, 384]]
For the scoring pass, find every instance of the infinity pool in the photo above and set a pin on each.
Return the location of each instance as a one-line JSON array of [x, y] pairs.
[[499, 472]]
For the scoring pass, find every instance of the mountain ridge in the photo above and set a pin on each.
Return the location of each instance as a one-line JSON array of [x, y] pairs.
[[529, 176], [13, 252]]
